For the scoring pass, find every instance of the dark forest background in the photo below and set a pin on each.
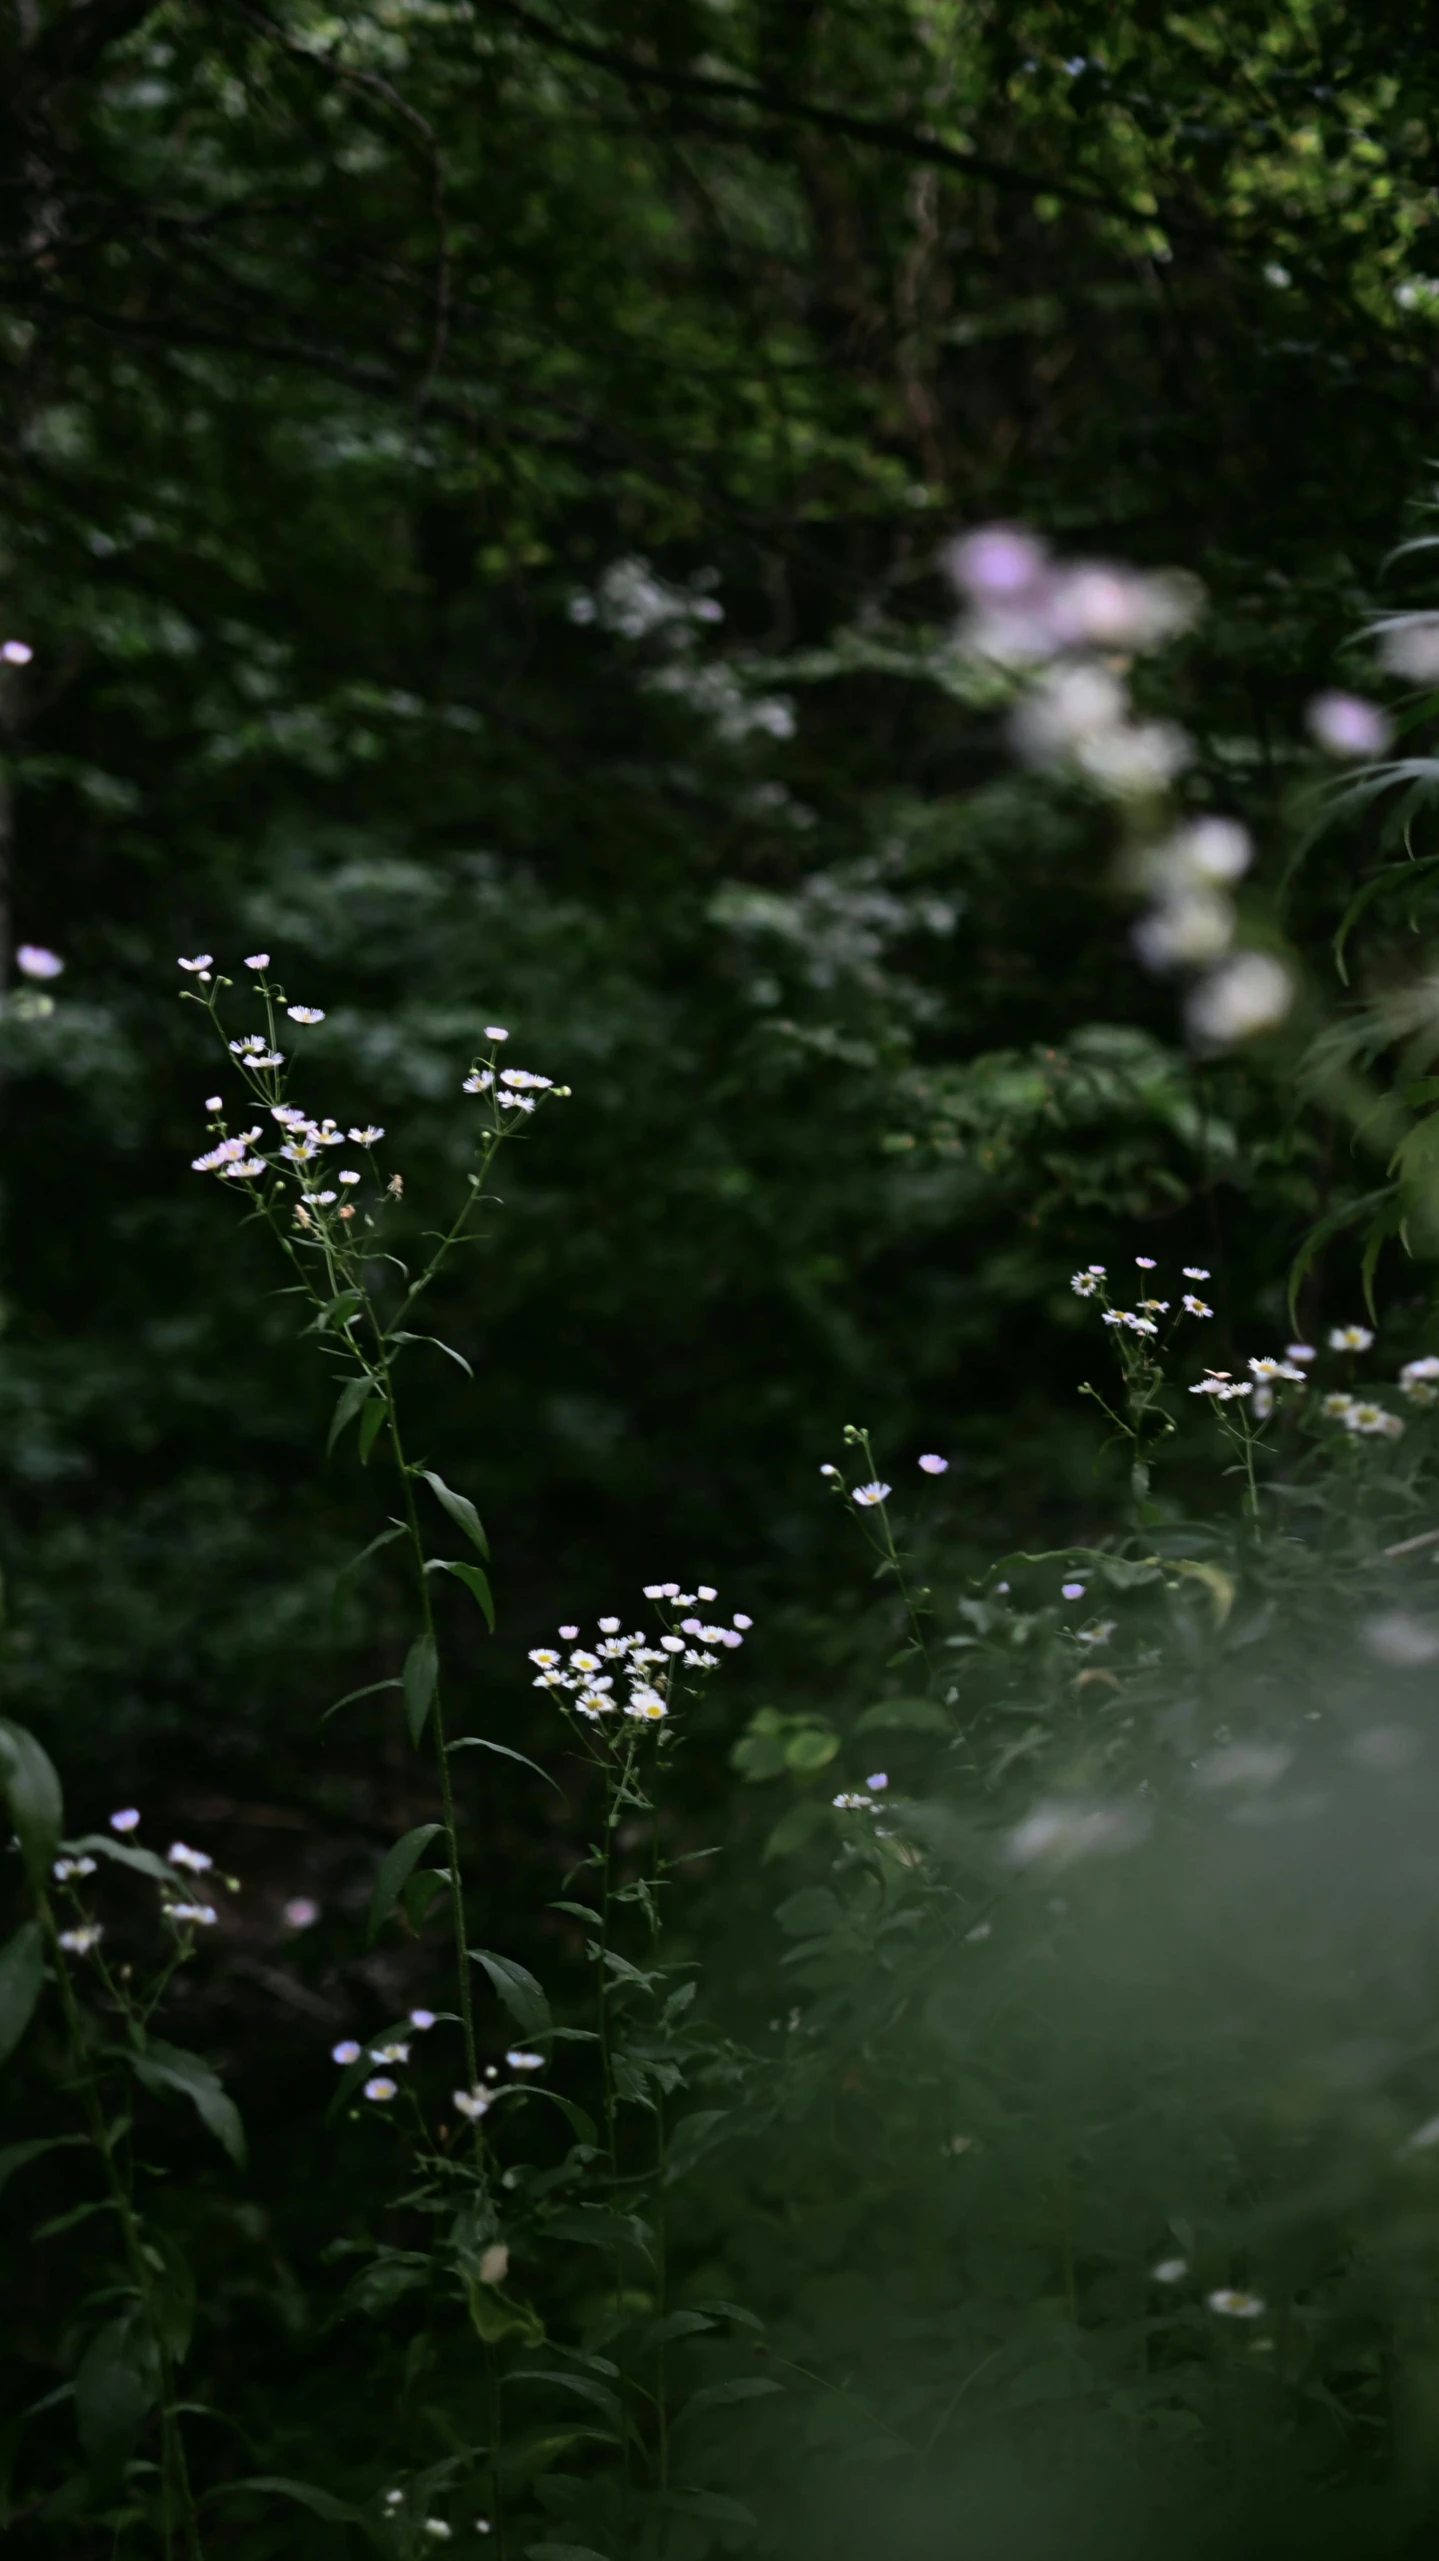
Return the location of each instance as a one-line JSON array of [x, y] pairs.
[[474, 484]]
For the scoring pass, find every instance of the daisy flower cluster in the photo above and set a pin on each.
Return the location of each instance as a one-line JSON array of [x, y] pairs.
[[185, 1910], [289, 1145], [1141, 1322], [583, 1680], [391, 2052], [1066, 634]]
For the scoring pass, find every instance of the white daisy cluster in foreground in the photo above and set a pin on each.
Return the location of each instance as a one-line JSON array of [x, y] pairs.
[[583, 1679], [186, 1913]]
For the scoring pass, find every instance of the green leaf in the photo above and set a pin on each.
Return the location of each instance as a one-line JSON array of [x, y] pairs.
[[420, 1891], [371, 1423], [583, 2386], [496, 2315], [720, 2396], [370, 1690], [397, 1865], [521, 1994], [433, 1339], [32, 1792], [355, 1393], [22, 1979], [474, 1579], [174, 2294], [114, 2387], [169, 2067], [128, 1854], [386, 1538], [905, 1716], [461, 1510], [482, 1743], [810, 1750], [321, 2503], [422, 1671], [17, 2156]]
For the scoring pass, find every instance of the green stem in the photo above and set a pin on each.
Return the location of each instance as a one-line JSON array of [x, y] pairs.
[[174, 2470], [442, 1756]]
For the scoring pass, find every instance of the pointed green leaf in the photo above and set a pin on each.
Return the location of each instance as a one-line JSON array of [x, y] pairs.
[[482, 1743], [17, 2156], [370, 1690], [422, 1668], [32, 1790], [168, 2067], [474, 1579], [517, 1988], [321, 2503], [385, 1539], [128, 1854], [22, 1979], [114, 2388], [461, 1510], [457, 1357], [398, 1864], [355, 1393], [371, 1422]]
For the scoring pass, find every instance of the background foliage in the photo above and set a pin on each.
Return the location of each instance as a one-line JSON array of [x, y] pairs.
[[473, 482]]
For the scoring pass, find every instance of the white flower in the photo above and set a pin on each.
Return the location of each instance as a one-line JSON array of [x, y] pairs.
[[520, 2059], [1112, 1316], [1337, 1404], [36, 960], [366, 1137], [394, 2053], [741, 1621], [1139, 1324], [198, 1861], [257, 960], [478, 1081], [381, 2090], [1236, 2306], [646, 1704], [300, 1913], [16, 653], [1249, 993], [1195, 1271], [545, 1656], [706, 1592], [1083, 1284], [870, 1496], [878, 1781], [1372, 1419], [516, 1102], [438, 2528], [1409, 646], [1349, 1338], [580, 1661], [203, 960], [1099, 1634], [1195, 1306], [345, 1176], [496, 1031], [1222, 1386], [1145, 1262], [199, 1915], [422, 2019], [246, 1171], [672, 1644], [127, 1820], [1263, 1405], [66, 1868], [593, 1702], [1169, 2271], [304, 1013], [1195, 927], [654, 1591], [851, 1802], [523, 1080], [1299, 1351], [1134, 758], [1267, 1368], [1347, 725], [473, 2103], [80, 1942], [347, 2051]]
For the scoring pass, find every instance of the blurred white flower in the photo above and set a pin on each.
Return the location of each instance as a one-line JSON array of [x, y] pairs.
[[473, 2103], [127, 1820], [422, 2019], [869, 1496], [1408, 645], [1194, 1306], [16, 653], [36, 960], [347, 2051], [933, 1464], [304, 1013], [1249, 993], [381, 2090], [1196, 926], [81, 1942], [1350, 1338], [1169, 2271], [198, 1861], [202, 961], [1346, 725], [257, 960], [1236, 2306], [1083, 1284], [1398, 1638], [300, 1913]]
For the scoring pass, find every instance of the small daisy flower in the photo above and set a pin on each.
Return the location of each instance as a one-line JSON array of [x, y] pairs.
[[569, 1633], [545, 1656], [64, 1869], [1155, 1306], [257, 960], [1145, 1262], [1337, 1404], [1350, 1338], [1195, 1306], [879, 1781], [395, 2052], [593, 1702], [1267, 1368], [473, 2103], [496, 1031], [304, 1013], [1236, 2306], [347, 2051], [366, 1137], [1073, 1591], [381, 2089], [580, 1661], [1169, 2271], [80, 1942], [672, 1644], [127, 1820], [36, 960], [520, 2059], [609, 1627], [200, 1916], [202, 961], [1083, 1284], [438, 2528], [1195, 1271], [933, 1464], [851, 1802], [1139, 1324], [345, 1176], [741, 1621], [1366, 1417], [422, 2019], [869, 1497], [300, 1913], [479, 1081], [646, 1704], [180, 1855]]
